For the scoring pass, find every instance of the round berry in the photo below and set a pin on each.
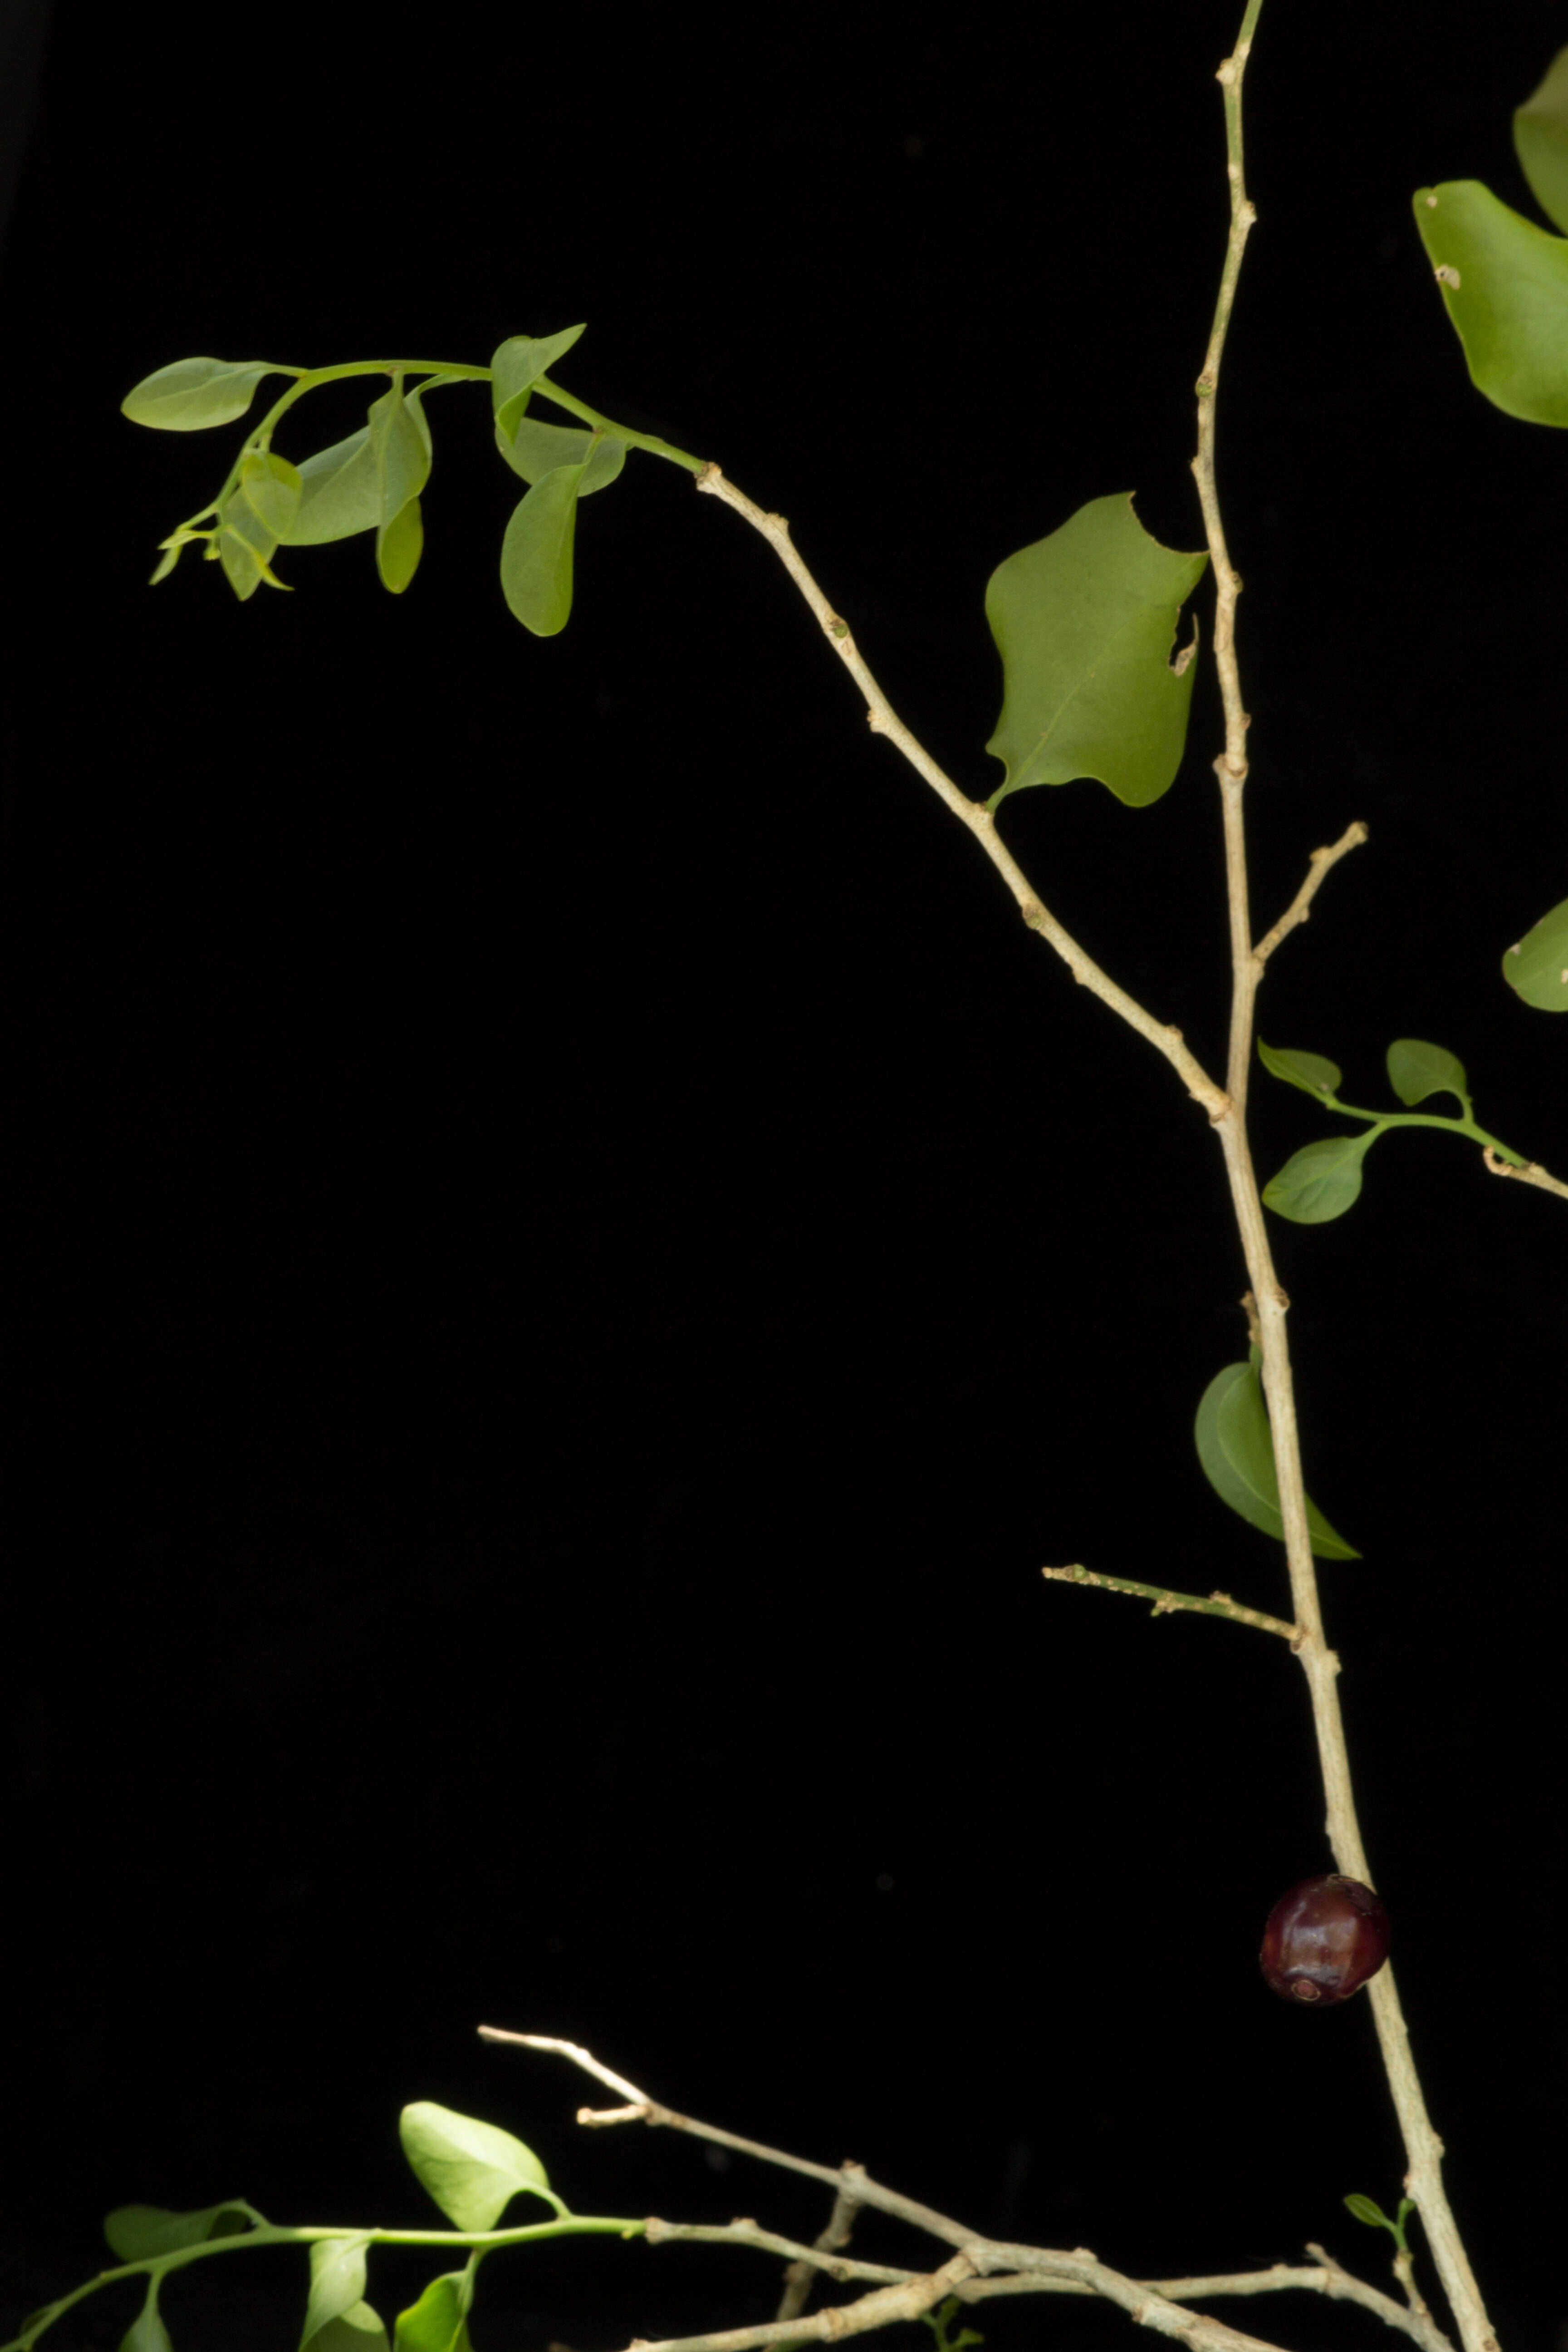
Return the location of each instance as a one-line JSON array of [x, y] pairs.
[[1324, 1937]]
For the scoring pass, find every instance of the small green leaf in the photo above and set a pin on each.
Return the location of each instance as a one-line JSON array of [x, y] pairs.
[[400, 438], [1236, 1447], [245, 547], [516, 367], [137, 2232], [1505, 286], [1367, 2210], [1085, 621], [1541, 140], [1320, 1181], [1310, 1072], [337, 2283], [357, 2329], [190, 394], [536, 554], [472, 2170], [339, 493], [1537, 967], [1417, 1070], [538, 449], [398, 547], [270, 487], [147, 2332], [437, 2322]]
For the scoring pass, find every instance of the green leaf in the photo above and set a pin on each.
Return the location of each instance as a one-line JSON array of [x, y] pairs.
[[190, 394], [1541, 140], [1321, 1181], [437, 2322], [1417, 1070], [270, 487], [472, 2170], [538, 449], [339, 493], [245, 547], [398, 547], [1367, 2210], [1310, 1072], [147, 2332], [516, 367], [1537, 967], [1084, 622], [357, 2329], [337, 2283], [136, 2232], [1505, 284], [1236, 1447], [536, 554]]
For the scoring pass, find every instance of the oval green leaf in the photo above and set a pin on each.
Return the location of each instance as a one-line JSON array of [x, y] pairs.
[[1416, 1069], [337, 2283], [1311, 1072], [1367, 2210], [1541, 140], [536, 554], [1236, 1448], [538, 449], [1505, 285], [1537, 967], [245, 547], [400, 438], [136, 2232], [1085, 621], [357, 2329], [339, 493], [1320, 1181], [188, 395], [437, 2322], [516, 367], [270, 488], [398, 547], [472, 2170]]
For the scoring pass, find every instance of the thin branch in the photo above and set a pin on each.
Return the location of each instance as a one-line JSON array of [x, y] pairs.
[[974, 815], [801, 2275], [1218, 1604], [1319, 865], [1415, 2320], [1530, 1174], [808, 2260]]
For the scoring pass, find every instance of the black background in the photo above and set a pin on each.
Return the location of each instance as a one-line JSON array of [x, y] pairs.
[[569, 1259]]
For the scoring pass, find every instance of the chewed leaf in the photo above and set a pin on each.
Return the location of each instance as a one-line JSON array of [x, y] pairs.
[[1236, 1447], [517, 365], [1310, 1072], [1541, 140], [1320, 1181], [472, 2170], [1085, 621], [190, 394], [1505, 285], [1537, 967], [136, 2232], [1416, 1069]]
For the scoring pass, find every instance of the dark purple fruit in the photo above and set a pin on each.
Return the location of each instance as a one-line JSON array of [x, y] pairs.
[[1323, 1939]]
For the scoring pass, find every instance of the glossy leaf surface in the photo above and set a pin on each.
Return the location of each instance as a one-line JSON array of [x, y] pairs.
[[1537, 969], [1085, 621], [1236, 1447], [472, 2170], [135, 2231], [1311, 1072], [1541, 140], [536, 554], [1416, 1069], [1504, 282], [188, 395], [1321, 1181], [517, 365], [337, 2283]]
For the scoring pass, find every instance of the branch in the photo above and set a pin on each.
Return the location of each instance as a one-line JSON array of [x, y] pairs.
[[974, 815], [1218, 1604], [1530, 1174], [1296, 912]]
